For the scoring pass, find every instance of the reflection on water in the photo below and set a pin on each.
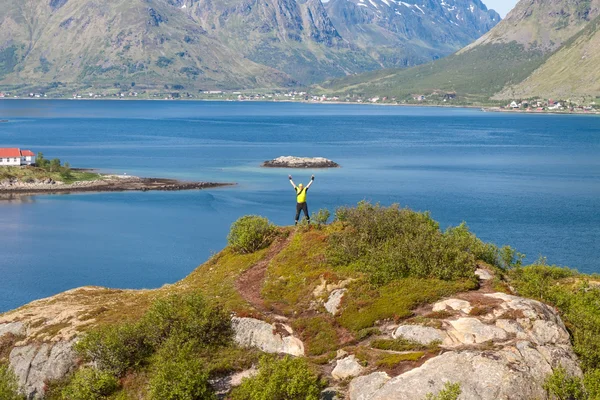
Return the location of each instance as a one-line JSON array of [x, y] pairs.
[[6, 198]]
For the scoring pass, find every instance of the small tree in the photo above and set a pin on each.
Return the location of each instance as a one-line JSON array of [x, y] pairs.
[[90, 384]]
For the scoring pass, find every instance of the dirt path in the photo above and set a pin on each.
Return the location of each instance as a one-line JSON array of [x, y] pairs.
[[250, 282]]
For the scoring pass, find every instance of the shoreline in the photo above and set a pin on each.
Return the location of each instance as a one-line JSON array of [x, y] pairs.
[[482, 108], [111, 183]]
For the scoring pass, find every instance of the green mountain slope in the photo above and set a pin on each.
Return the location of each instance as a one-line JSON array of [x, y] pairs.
[[503, 57], [573, 72]]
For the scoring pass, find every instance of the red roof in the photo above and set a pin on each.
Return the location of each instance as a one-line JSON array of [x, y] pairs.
[[15, 153], [10, 153]]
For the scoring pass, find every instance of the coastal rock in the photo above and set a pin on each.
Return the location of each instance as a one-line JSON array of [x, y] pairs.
[[14, 328], [454, 304], [223, 385], [420, 334], [300, 162], [36, 364], [363, 387], [484, 274], [527, 341], [250, 332], [347, 368], [335, 299]]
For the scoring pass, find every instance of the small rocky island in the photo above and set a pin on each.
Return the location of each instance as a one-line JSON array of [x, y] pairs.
[[300, 162]]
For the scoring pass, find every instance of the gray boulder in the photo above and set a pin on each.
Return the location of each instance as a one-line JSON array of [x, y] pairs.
[[335, 299], [36, 364], [250, 332], [14, 328], [347, 368], [420, 334], [363, 387]]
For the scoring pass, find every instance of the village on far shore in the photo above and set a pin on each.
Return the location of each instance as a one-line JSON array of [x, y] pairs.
[[435, 98]]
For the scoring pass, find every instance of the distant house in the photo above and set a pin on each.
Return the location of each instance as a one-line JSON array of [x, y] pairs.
[[16, 157]]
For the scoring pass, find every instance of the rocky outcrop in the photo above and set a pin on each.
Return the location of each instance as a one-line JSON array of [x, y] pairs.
[[250, 332], [505, 353], [300, 162], [420, 334], [14, 328], [332, 305], [36, 364], [347, 368]]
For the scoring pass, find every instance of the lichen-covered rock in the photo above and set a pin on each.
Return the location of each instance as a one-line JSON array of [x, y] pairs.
[[36, 364], [335, 299], [454, 304], [250, 332], [347, 368], [14, 328], [300, 162], [473, 331], [483, 274], [529, 341], [363, 387], [420, 334]]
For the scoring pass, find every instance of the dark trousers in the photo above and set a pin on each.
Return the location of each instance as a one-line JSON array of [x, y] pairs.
[[302, 207]]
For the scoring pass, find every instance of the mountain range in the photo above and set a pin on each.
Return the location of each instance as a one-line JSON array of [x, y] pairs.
[[225, 44], [542, 49]]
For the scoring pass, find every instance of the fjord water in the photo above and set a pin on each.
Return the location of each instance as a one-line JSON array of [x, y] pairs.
[[530, 181]]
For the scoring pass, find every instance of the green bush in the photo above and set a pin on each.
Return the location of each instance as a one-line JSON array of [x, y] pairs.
[[451, 391], [9, 388], [321, 217], [114, 349], [591, 382], [389, 243], [178, 374], [250, 233], [188, 317], [90, 384], [286, 379], [562, 386]]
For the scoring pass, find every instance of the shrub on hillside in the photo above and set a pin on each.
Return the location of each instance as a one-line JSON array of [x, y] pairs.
[[114, 349], [250, 233], [562, 386], [390, 243], [189, 317], [9, 388], [321, 217], [285, 379], [90, 384], [178, 374]]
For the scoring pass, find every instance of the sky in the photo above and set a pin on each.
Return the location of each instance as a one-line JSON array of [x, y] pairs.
[[502, 6]]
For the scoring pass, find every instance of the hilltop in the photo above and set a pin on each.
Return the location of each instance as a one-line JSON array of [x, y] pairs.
[[541, 49], [378, 304], [186, 46]]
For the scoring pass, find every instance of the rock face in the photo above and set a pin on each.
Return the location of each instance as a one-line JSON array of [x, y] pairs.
[[36, 364], [300, 162], [347, 368], [335, 299], [13, 328], [524, 341], [420, 334], [250, 332]]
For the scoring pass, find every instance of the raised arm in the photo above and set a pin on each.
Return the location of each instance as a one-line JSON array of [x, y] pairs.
[[292, 182], [312, 179]]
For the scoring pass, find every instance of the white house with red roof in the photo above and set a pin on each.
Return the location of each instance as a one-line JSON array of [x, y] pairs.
[[16, 157]]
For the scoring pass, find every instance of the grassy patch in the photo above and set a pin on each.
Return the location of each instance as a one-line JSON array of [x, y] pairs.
[[392, 360], [295, 272], [402, 344], [216, 279], [365, 304], [32, 174], [317, 333]]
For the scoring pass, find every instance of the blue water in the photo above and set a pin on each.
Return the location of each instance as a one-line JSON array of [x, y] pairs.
[[526, 180]]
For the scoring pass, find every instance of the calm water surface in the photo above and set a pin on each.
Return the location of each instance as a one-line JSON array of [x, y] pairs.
[[529, 181]]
